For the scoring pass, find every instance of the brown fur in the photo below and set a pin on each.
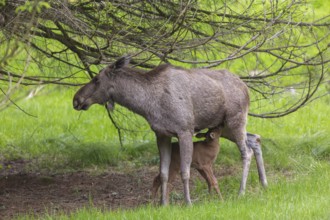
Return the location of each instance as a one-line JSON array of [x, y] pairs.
[[204, 154], [176, 102]]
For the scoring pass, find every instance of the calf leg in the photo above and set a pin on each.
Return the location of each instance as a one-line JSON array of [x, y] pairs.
[[216, 187], [186, 151], [155, 186], [164, 147], [207, 173], [208, 181]]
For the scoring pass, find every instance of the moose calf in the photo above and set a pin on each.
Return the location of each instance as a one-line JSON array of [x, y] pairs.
[[204, 154]]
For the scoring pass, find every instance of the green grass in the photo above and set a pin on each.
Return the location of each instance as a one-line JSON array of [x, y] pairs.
[[296, 152], [61, 135], [305, 197]]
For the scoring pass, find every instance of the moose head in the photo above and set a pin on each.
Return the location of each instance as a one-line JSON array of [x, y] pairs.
[[99, 90]]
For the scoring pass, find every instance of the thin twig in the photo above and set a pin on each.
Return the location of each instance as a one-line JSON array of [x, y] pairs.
[[12, 102]]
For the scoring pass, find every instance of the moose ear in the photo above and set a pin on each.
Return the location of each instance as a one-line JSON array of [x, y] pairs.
[[121, 62]]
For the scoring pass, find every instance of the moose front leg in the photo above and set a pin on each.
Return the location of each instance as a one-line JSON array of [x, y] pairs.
[[164, 147], [186, 151]]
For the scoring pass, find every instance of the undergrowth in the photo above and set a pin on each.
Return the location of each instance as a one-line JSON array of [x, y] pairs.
[[296, 151]]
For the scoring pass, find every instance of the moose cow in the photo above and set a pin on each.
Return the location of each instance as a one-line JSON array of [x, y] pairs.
[[176, 102]]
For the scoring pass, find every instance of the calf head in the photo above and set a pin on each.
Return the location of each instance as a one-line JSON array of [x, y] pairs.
[[211, 134], [99, 90]]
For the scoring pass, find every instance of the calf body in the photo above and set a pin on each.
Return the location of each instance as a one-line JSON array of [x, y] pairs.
[[175, 102], [204, 154]]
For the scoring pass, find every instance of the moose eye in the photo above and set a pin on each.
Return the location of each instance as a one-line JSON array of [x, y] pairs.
[[95, 80]]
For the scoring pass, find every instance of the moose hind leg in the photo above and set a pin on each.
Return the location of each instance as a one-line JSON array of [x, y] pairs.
[[254, 142], [246, 155], [235, 130]]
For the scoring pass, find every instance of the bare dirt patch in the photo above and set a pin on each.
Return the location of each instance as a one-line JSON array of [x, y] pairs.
[[36, 193]]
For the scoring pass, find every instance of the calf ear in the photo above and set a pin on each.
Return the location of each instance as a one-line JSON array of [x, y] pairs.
[[212, 135], [121, 62]]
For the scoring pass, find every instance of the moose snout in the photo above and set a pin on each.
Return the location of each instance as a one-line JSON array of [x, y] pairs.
[[75, 104], [78, 103]]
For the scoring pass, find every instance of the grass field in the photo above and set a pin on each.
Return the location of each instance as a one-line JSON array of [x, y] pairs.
[[54, 138], [296, 152], [304, 198]]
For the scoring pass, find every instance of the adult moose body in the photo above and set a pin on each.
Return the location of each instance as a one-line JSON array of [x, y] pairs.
[[176, 102]]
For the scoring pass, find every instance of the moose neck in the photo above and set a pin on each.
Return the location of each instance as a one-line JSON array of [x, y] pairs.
[[134, 90]]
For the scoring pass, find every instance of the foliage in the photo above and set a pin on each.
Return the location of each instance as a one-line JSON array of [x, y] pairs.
[[31, 6], [280, 48], [276, 47]]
